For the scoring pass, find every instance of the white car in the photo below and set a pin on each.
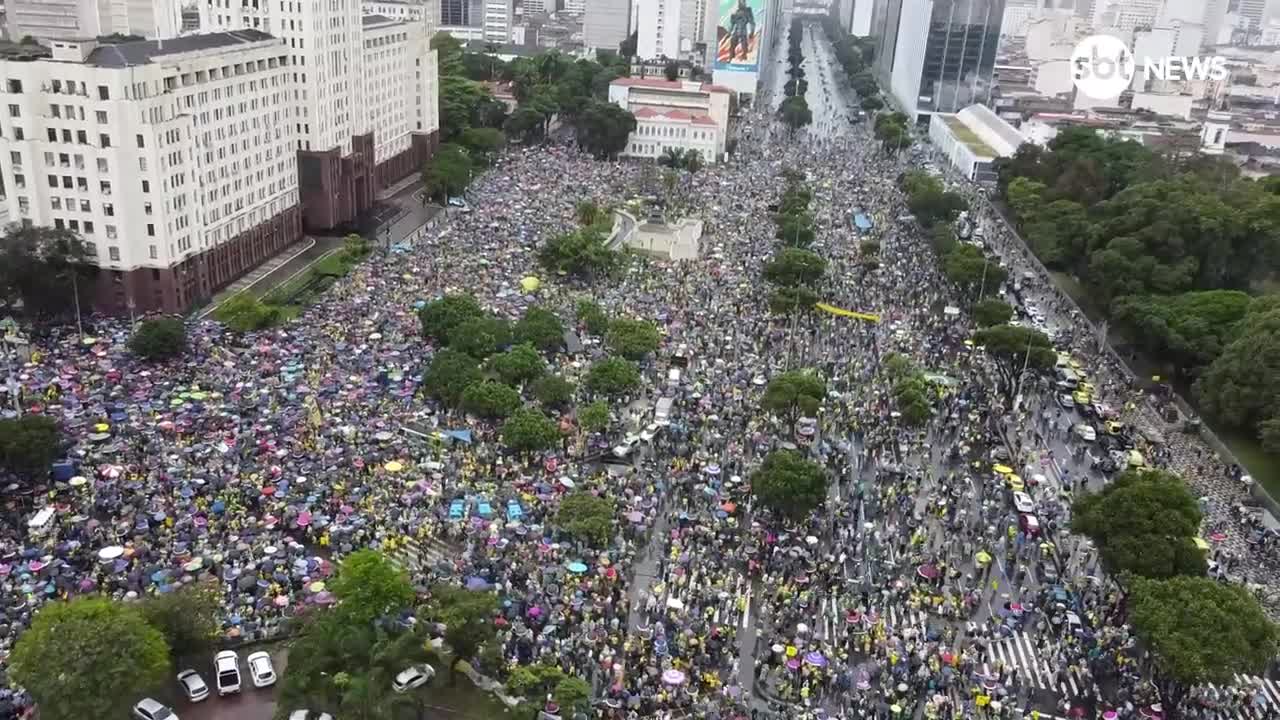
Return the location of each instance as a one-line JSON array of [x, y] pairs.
[[260, 669], [193, 685], [148, 709], [413, 677], [1023, 503], [308, 715], [226, 665], [1086, 432]]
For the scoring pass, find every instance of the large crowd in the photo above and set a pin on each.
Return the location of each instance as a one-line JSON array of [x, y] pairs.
[[261, 459]]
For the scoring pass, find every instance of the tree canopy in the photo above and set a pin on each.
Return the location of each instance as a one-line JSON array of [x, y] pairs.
[[89, 657], [792, 266], [789, 484], [1191, 330], [1143, 523], [440, 317], [613, 377], [1200, 631], [42, 267], [794, 394], [29, 445], [989, 311], [370, 586], [519, 365], [586, 516], [1015, 349], [633, 339], [528, 430], [490, 399], [159, 338], [189, 618], [450, 373], [541, 328], [583, 253], [552, 391]]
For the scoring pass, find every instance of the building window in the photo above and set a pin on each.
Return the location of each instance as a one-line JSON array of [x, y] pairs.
[[88, 227], [57, 222], [111, 232], [108, 209], [104, 93], [104, 140], [86, 206], [15, 157], [114, 252], [141, 142], [146, 208], [151, 230], [101, 117], [105, 187], [19, 181], [53, 134], [15, 111], [154, 253], [55, 203], [55, 110], [146, 186], [91, 247], [15, 86], [18, 134], [102, 165]]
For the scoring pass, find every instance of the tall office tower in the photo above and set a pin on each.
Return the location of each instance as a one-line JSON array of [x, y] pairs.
[[606, 23], [693, 21], [328, 48], [76, 19], [173, 160], [659, 29], [497, 21], [939, 56], [1253, 11]]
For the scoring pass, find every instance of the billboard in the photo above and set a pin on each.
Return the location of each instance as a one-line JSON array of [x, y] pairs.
[[739, 27]]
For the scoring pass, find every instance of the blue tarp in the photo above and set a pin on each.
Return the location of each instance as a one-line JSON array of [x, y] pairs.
[[459, 435], [862, 222]]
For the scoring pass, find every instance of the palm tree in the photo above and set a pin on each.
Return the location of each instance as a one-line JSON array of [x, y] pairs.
[[692, 161], [671, 157]]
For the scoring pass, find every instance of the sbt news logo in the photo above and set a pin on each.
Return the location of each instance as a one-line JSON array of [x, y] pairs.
[[1102, 67]]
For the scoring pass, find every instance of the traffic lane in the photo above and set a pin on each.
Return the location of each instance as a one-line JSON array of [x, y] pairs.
[[249, 704]]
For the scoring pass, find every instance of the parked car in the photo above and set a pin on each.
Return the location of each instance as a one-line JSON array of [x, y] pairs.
[[1066, 402], [1029, 524], [1023, 503], [1086, 432], [148, 709], [227, 666], [193, 686], [260, 669], [413, 677]]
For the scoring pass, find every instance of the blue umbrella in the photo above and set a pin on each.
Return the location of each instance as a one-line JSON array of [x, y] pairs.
[[577, 567]]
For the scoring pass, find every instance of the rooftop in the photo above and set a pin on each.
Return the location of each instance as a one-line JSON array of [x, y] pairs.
[[967, 136], [1000, 132], [376, 20], [146, 51], [674, 85], [649, 113]]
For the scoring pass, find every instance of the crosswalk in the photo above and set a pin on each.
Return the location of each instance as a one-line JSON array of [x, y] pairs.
[[832, 623], [1263, 693], [1019, 652], [417, 557]]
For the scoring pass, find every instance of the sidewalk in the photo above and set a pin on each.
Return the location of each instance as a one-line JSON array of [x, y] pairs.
[[276, 271]]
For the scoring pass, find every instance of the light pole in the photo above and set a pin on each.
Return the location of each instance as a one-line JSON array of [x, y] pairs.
[[75, 292]]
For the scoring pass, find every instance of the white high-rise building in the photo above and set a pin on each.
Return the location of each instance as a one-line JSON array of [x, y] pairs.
[[337, 137], [659, 29], [77, 19], [174, 160], [606, 23], [497, 21]]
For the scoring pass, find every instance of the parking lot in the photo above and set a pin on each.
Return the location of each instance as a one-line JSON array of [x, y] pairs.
[[250, 704]]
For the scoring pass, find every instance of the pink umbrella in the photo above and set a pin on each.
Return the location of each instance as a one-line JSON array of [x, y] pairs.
[[304, 518]]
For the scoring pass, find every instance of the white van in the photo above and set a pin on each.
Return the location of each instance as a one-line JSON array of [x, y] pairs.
[[662, 413]]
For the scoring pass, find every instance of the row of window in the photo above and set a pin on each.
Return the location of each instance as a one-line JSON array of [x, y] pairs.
[[72, 87]]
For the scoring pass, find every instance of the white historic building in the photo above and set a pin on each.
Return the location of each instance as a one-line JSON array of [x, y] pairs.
[[688, 115]]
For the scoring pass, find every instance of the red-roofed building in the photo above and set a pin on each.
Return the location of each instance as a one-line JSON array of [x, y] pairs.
[[692, 116]]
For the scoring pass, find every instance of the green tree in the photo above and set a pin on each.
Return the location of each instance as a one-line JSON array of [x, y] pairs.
[[795, 113], [90, 657], [593, 317], [1238, 389], [481, 337], [244, 313], [1189, 330], [613, 377], [541, 328], [190, 618], [603, 128], [1199, 631], [448, 172], [789, 485], [965, 265], [467, 616], [589, 213], [528, 430], [942, 238], [29, 445], [451, 372], [1025, 196], [796, 229], [587, 517], [490, 399], [595, 416], [525, 124], [1015, 350], [633, 339], [794, 394], [1060, 234], [552, 391], [1143, 523], [43, 267], [583, 253], [440, 317], [519, 365], [159, 339], [990, 312], [671, 157], [791, 266], [369, 586], [787, 300], [911, 397], [483, 142]]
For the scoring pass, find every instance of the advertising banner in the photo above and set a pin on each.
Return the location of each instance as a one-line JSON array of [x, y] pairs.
[[738, 32]]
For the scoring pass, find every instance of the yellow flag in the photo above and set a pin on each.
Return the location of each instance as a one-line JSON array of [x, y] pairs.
[[826, 307]]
